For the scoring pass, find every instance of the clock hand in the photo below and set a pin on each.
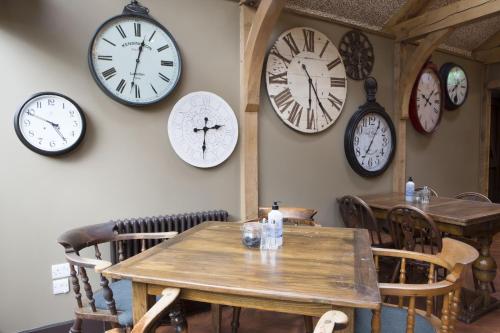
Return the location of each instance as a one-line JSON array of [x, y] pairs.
[[58, 130], [216, 127], [373, 138], [315, 92], [137, 63], [43, 119]]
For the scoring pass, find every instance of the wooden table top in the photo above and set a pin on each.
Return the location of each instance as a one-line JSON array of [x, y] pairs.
[[316, 265], [442, 209]]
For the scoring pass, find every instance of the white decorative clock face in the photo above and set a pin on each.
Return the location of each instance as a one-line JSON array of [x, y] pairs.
[[50, 124], [135, 60], [306, 80], [428, 100], [456, 85], [203, 129], [373, 142]]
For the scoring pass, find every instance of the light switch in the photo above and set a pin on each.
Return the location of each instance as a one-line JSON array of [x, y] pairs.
[[60, 286], [60, 271]]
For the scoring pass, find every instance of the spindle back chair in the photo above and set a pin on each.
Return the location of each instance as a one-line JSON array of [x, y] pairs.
[[433, 191], [473, 196], [293, 215]]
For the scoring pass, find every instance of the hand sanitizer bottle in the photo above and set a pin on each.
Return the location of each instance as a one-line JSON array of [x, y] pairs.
[[275, 218], [410, 190]]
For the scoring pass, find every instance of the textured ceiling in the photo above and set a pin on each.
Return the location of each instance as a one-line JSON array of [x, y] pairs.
[[373, 14]]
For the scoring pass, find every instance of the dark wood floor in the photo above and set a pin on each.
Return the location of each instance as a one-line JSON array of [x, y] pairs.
[[253, 321]]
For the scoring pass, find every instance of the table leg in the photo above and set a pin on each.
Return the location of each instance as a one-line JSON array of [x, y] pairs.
[[141, 300], [216, 317], [177, 319]]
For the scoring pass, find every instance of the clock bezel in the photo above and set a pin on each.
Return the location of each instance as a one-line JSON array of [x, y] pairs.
[[45, 152], [345, 58], [104, 88], [350, 133], [413, 111], [444, 71]]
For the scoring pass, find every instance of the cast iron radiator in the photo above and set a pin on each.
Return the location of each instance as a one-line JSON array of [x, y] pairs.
[[178, 222]]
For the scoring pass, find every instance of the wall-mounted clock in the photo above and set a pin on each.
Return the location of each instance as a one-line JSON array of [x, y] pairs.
[[455, 85], [357, 53], [203, 129], [50, 124], [370, 139], [306, 80], [134, 59], [426, 102]]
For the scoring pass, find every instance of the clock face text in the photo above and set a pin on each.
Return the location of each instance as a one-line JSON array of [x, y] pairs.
[[428, 100], [456, 85], [135, 60], [306, 80]]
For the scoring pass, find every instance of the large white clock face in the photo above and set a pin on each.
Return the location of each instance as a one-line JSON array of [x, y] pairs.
[[428, 100], [50, 124], [135, 60], [457, 85], [203, 129], [306, 80], [373, 142]]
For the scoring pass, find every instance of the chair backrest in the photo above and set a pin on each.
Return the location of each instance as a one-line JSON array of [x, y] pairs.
[[413, 230], [76, 239], [473, 196], [357, 214], [433, 191], [293, 215]]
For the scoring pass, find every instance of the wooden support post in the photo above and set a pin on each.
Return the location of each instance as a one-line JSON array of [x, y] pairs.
[[255, 29], [484, 137]]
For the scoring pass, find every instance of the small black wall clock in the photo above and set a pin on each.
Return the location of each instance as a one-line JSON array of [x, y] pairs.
[[357, 53], [455, 85], [370, 138], [50, 124], [134, 59]]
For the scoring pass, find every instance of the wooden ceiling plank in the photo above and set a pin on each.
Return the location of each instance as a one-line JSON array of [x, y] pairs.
[[492, 42], [490, 56], [410, 9], [452, 15]]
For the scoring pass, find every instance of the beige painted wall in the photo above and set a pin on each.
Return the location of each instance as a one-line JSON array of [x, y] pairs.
[[126, 166], [494, 72]]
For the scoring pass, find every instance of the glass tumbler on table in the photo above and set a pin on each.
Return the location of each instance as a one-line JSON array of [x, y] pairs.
[[251, 234]]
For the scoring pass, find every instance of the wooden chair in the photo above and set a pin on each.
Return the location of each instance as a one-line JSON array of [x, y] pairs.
[[112, 303], [473, 196], [433, 191], [357, 214], [405, 317]]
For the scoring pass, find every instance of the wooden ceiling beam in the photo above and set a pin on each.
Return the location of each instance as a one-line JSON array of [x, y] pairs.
[[490, 43], [490, 56], [449, 16], [410, 9]]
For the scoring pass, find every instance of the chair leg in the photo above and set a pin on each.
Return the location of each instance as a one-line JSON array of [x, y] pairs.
[[235, 324], [77, 326], [216, 317], [308, 323], [493, 287]]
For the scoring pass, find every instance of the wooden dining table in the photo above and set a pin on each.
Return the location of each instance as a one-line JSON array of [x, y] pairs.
[[317, 269], [475, 222]]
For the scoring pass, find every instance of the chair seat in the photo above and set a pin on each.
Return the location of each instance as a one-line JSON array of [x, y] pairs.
[[393, 320], [122, 294]]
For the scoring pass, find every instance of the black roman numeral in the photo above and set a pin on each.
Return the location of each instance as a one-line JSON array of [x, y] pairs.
[[110, 42], [164, 47], [108, 58], [333, 64], [38, 104], [137, 29], [295, 114], [121, 31], [308, 40], [291, 44], [280, 78], [150, 38], [152, 87], [121, 86], [109, 73], [337, 81], [311, 123], [137, 91], [324, 48], [167, 63], [283, 100], [337, 103], [163, 77], [274, 51]]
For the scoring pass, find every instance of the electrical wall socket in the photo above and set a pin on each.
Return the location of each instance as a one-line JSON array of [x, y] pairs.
[[60, 286], [60, 271]]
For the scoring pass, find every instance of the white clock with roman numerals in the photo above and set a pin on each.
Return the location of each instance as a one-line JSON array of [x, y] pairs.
[[134, 59], [306, 80]]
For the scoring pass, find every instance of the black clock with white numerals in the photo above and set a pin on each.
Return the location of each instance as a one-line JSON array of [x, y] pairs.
[[134, 59], [50, 124], [455, 85], [370, 138]]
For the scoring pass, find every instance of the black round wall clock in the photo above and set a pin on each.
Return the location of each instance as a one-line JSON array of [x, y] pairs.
[[454, 85], [370, 138], [357, 54], [134, 59]]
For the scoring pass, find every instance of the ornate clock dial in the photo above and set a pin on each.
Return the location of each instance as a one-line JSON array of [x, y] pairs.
[[135, 60], [306, 80], [455, 85], [50, 124], [426, 103], [357, 53], [203, 129]]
